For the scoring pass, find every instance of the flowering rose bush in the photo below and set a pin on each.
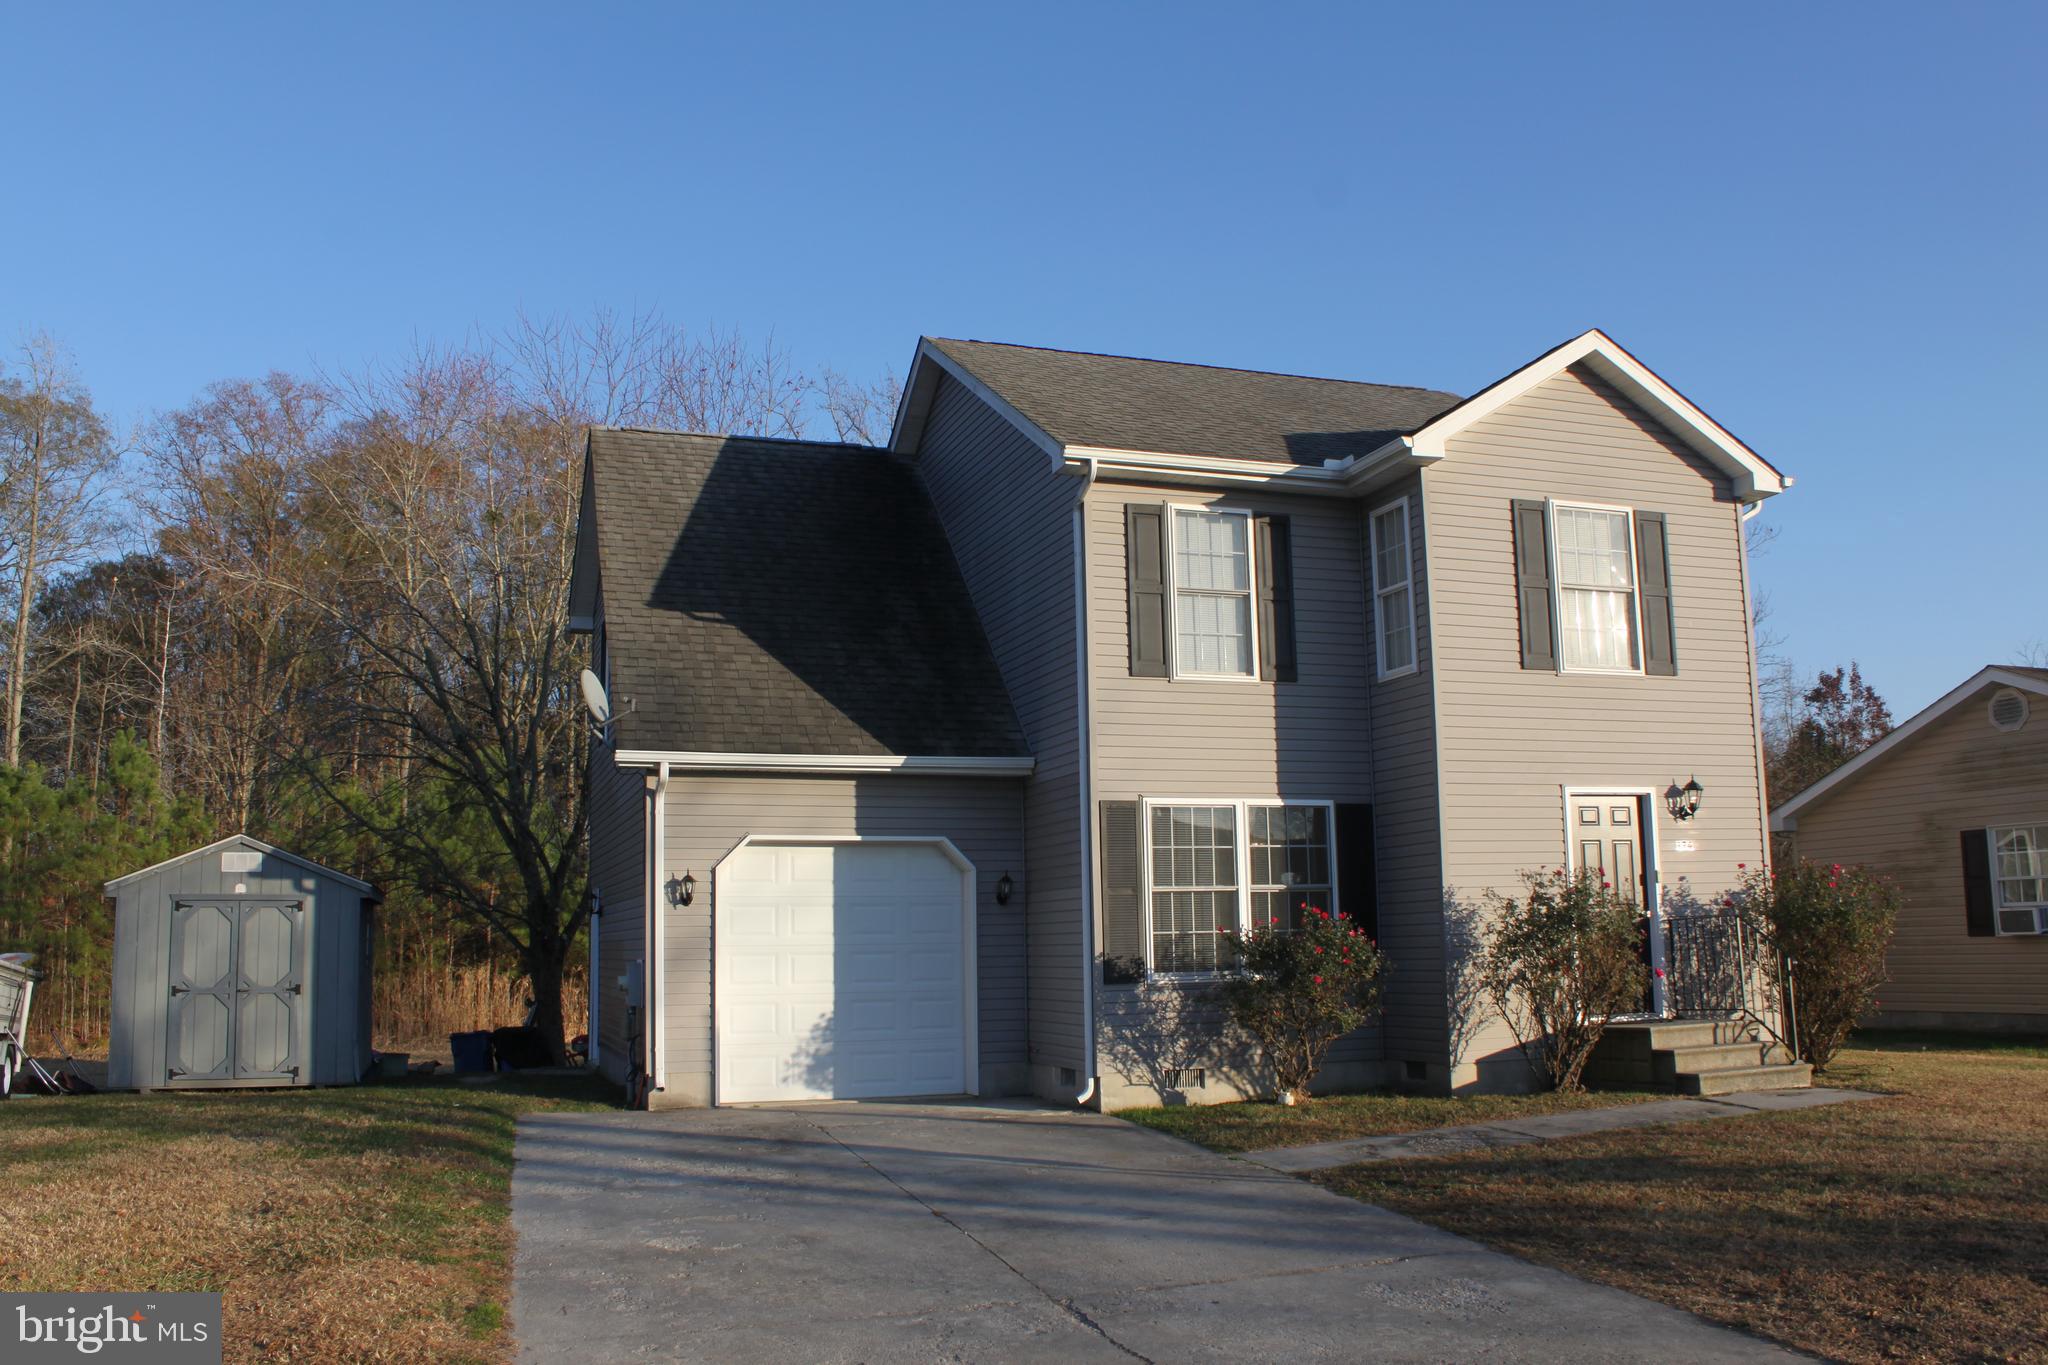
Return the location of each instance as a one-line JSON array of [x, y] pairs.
[[1834, 924], [1297, 991], [1559, 960]]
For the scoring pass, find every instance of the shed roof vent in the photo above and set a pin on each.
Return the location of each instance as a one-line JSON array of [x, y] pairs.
[[240, 860], [2008, 709]]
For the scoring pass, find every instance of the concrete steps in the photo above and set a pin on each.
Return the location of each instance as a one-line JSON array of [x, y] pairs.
[[1735, 1080], [1694, 1057]]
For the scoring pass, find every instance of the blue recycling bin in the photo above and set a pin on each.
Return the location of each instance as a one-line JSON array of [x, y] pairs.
[[470, 1051]]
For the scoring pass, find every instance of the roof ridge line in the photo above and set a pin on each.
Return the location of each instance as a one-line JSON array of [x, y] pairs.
[[1196, 365], [736, 436]]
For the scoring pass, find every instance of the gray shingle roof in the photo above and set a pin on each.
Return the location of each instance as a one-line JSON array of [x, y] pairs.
[[786, 597], [1166, 407]]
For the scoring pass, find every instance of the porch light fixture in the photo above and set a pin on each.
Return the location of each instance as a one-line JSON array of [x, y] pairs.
[[1004, 886], [681, 889], [1685, 801]]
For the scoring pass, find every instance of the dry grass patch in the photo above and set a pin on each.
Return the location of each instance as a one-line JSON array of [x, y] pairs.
[[1909, 1228], [366, 1224], [1257, 1124]]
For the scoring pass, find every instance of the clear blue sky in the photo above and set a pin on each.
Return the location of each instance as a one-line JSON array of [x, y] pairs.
[[1824, 222]]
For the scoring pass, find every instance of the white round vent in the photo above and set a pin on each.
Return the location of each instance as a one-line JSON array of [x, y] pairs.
[[2008, 709]]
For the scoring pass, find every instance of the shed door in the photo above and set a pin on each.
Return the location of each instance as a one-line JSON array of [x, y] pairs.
[[267, 988], [841, 972], [236, 979]]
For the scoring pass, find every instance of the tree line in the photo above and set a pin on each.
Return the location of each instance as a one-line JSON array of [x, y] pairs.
[[330, 610]]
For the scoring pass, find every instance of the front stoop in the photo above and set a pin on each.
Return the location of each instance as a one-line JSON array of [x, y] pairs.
[[1694, 1057]]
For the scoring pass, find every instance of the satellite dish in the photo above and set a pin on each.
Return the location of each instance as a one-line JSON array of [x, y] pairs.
[[594, 698]]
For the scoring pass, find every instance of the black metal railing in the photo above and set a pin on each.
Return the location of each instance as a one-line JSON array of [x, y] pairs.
[[1716, 966]]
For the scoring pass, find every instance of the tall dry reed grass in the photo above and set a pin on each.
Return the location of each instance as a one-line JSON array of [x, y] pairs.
[[415, 1008]]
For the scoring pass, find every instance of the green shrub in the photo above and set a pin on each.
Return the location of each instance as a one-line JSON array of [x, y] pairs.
[[1558, 961], [1833, 923], [1297, 991]]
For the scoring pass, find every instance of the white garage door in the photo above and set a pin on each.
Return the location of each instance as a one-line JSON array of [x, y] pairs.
[[841, 972]]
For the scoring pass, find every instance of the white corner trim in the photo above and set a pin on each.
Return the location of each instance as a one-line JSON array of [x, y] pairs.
[[1754, 477], [936, 764], [928, 353], [1785, 817]]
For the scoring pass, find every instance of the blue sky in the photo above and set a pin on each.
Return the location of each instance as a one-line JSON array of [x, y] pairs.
[[1824, 222]]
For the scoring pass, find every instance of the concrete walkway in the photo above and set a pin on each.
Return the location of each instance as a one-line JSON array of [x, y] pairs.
[[1468, 1137], [996, 1233]]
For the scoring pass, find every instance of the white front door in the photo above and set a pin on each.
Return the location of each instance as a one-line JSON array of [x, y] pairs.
[[842, 971]]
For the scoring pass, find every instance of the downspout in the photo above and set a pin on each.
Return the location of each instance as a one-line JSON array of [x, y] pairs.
[[596, 976], [1086, 738], [657, 900]]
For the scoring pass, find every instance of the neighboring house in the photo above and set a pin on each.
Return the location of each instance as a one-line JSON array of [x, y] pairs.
[[1953, 806], [936, 769]]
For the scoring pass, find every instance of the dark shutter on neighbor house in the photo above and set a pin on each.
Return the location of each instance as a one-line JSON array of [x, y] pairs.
[[1978, 911], [1357, 893], [1145, 568], [1653, 560], [1273, 554], [1532, 584], [1123, 896]]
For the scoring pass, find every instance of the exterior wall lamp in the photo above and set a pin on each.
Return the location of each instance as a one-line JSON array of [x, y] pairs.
[[1684, 802], [681, 889], [1004, 888]]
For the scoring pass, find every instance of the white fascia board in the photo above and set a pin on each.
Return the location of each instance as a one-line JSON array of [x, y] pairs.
[[928, 354], [952, 765], [1786, 817], [1753, 476], [1151, 466]]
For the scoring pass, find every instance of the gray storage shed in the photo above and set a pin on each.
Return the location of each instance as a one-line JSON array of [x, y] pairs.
[[239, 964]]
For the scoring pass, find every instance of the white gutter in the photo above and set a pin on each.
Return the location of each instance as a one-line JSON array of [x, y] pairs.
[[657, 918], [1086, 739], [953, 765]]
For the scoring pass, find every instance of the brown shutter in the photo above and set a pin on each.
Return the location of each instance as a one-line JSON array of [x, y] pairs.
[[1653, 568], [1978, 910], [1145, 567], [1532, 585], [1273, 556], [1357, 894], [1123, 896]]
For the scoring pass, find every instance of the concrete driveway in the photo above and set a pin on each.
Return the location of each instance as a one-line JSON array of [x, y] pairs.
[[883, 1232]]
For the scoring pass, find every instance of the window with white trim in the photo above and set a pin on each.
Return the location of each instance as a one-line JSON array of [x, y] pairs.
[[1393, 605], [1212, 593], [2019, 870], [1291, 870], [1597, 625], [1194, 885], [1207, 861]]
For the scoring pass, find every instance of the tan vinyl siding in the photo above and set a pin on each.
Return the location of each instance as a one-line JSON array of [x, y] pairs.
[[709, 815], [1904, 815], [1510, 739], [1165, 738], [1407, 837], [618, 869], [1008, 512]]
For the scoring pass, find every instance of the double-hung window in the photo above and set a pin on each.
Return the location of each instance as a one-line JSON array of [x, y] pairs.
[[1194, 885], [1393, 605], [1291, 872], [1210, 861], [1596, 589], [2020, 873], [1212, 593]]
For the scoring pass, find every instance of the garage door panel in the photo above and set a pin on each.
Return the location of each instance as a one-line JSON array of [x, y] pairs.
[[841, 972]]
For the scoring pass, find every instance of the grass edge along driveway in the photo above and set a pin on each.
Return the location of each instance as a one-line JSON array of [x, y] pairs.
[[364, 1223], [1909, 1228]]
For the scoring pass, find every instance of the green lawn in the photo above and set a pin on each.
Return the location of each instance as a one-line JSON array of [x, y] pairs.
[[1909, 1228], [1257, 1124], [368, 1223]]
